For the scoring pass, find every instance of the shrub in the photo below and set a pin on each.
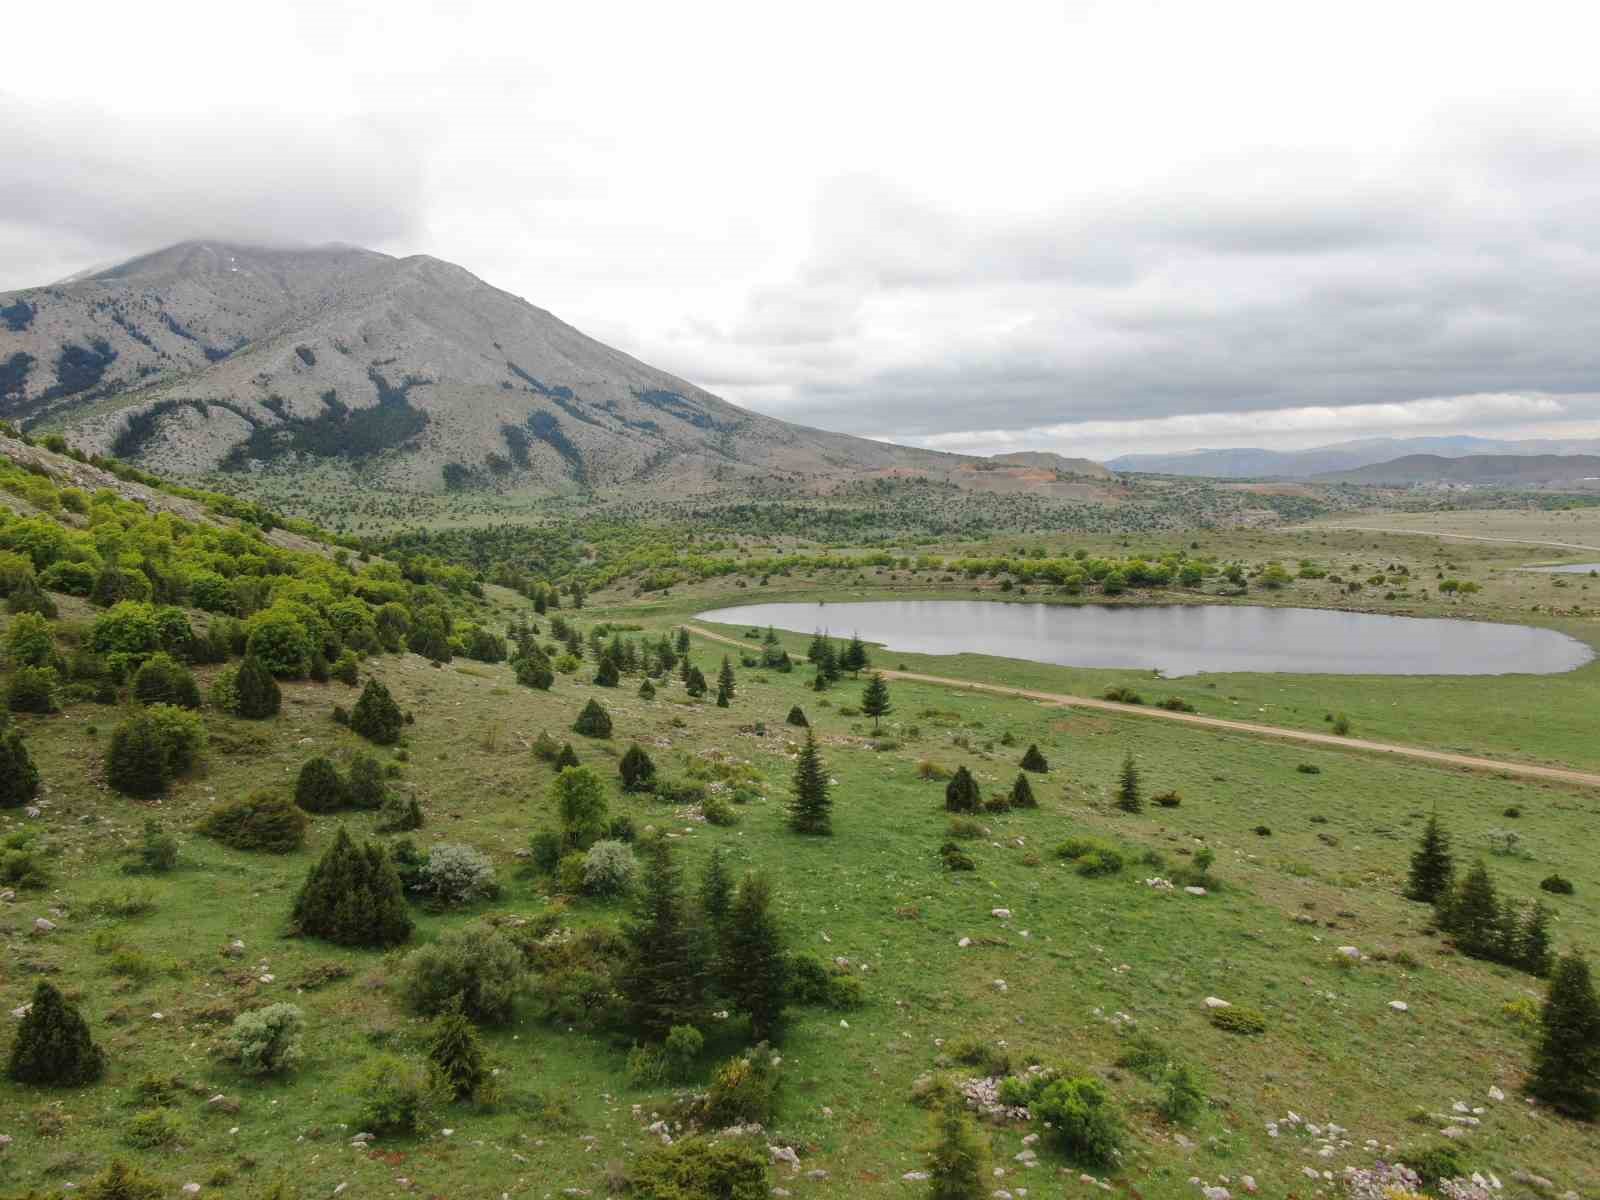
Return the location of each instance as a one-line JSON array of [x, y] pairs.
[[263, 821], [797, 717], [718, 811], [352, 897], [637, 770], [29, 597], [964, 827], [19, 778], [699, 1168], [456, 1053], [1557, 884], [52, 1045], [1238, 1019], [580, 801], [122, 1182], [955, 858], [319, 789], [961, 793], [546, 748], [29, 642], [163, 680], [32, 690], [1263, 831], [681, 1048], [479, 965], [609, 869], [1082, 1118], [1090, 857], [364, 788], [569, 873], [1123, 695], [280, 641], [346, 668], [157, 852], [1175, 704], [255, 693], [1435, 1164], [957, 1158], [400, 815], [136, 761], [152, 1129], [1181, 1097], [743, 1091], [396, 1095], [376, 716], [456, 874], [1309, 769], [266, 1041], [1022, 794], [593, 721], [1033, 760]]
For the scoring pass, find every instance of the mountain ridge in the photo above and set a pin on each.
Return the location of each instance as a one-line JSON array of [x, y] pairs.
[[1253, 462]]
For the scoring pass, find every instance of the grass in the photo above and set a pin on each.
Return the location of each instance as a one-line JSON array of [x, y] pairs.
[[1101, 957]]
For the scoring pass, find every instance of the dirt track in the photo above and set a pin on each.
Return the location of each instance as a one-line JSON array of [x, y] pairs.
[[1466, 761]]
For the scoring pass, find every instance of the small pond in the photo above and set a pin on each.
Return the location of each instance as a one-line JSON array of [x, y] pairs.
[[1183, 639], [1568, 569]]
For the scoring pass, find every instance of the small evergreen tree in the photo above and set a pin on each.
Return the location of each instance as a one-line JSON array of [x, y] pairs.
[[29, 597], [593, 721], [818, 646], [716, 890], [811, 809], [257, 691], [318, 788], [19, 778], [580, 800], [647, 690], [119, 1181], [637, 770], [376, 716], [875, 700], [958, 1158], [723, 696], [1129, 798], [1034, 761], [854, 658], [52, 1047], [1533, 941], [797, 717], [567, 758], [136, 760], [755, 968], [725, 679], [606, 674], [663, 976], [683, 641], [961, 793], [164, 680], [828, 663], [365, 788], [456, 1052], [1472, 915], [1432, 867], [1566, 1063], [694, 681], [1022, 793], [353, 897]]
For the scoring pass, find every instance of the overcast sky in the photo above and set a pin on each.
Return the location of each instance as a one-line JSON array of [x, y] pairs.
[[1086, 227]]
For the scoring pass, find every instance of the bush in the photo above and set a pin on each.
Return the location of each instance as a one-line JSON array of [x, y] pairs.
[[376, 716], [1557, 884], [479, 965], [1034, 761], [255, 693], [19, 778], [609, 869], [743, 1091], [718, 811], [593, 721], [152, 1130], [456, 874], [1435, 1164], [319, 789], [961, 793], [569, 873], [1123, 695], [1181, 1097], [681, 1048], [955, 858], [1309, 769], [797, 718], [580, 801], [699, 1168], [1166, 800], [346, 668], [364, 788], [163, 680], [52, 1047], [352, 897], [32, 690], [1091, 858], [457, 1054], [122, 1182], [1238, 1019], [30, 643], [396, 1095], [136, 761], [1175, 704], [1083, 1121], [964, 827], [266, 1041], [157, 852], [637, 770], [264, 821]]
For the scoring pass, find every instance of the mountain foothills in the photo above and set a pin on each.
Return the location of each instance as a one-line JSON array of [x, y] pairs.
[[411, 372], [1245, 462]]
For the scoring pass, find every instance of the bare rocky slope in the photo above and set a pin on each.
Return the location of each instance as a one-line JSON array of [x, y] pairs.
[[411, 373]]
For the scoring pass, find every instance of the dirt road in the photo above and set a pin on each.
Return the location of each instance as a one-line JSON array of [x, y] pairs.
[[1461, 537], [1469, 762]]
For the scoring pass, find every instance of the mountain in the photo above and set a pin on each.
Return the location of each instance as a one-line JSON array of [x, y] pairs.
[[404, 373], [1046, 461], [1247, 463], [1503, 470]]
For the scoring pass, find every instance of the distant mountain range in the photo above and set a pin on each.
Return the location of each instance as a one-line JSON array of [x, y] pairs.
[[1508, 470], [400, 373], [1337, 457]]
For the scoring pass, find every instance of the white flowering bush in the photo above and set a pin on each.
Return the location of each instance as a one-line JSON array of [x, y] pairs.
[[266, 1041], [455, 874], [609, 869]]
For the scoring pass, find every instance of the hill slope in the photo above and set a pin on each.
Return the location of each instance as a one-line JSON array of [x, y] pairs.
[[412, 371], [1512, 470], [1249, 462]]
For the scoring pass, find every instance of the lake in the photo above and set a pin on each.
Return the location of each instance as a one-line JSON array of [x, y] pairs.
[[1183, 639]]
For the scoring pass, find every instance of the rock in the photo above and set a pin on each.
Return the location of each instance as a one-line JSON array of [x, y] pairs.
[[191, 1189], [1495, 1093], [33, 812], [234, 949], [1248, 1182], [43, 925], [1031, 1140], [1399, 1006], [1026, 1157], [785, 1154], [816, 1174], [915, 1177], [964, 942], [1216, 1193], [222, 1103], [5, 1140], [1003, 913], [22, 1010], [1351, 952], [1195, 891], [1538, 1182], [1216, 1002], [999, 985], [362, 1137], [1453, 1132]]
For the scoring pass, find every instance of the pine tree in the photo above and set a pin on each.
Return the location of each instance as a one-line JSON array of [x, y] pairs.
[[819, 645], [456, 1052], [164, 680], [683, 641], [258, 692], [637, 770], [828, 663], [1472, 915], [136, 760], [352, 897], [19, 778], [52, 1046], [365, 788], [1034, 761], [693, 681], [567, 758], [725, 681], [811, 809], [875, 700], [593, 721], [318, 789], [119, 1181], [797, 717], [1566, 1063], [961, 793], [722, 695], [755, 969], [1432, 868], [1022, 793], [716, 890], [958, 1158], [29, 597], [647, 690], [662, 979], [1533, 941], [376, 716], [606, 674], [855, 658], [1128, 796]]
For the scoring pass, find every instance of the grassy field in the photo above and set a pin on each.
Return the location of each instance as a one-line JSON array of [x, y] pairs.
[[1084, 961]]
